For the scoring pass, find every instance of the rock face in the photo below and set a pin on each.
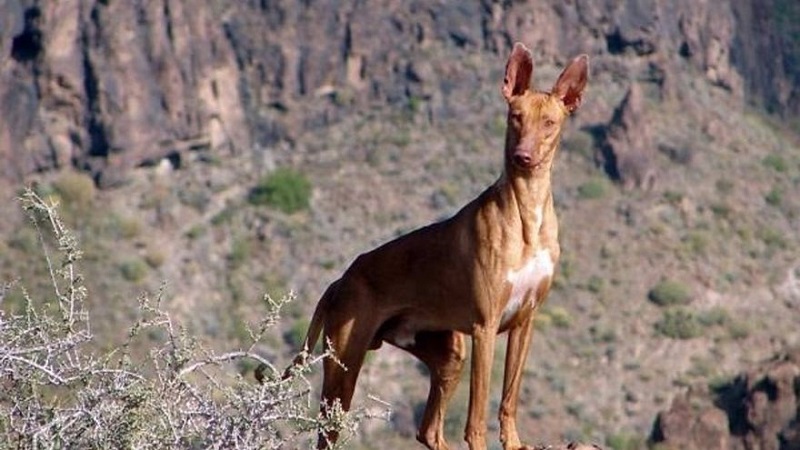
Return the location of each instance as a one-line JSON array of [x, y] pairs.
[[759, 410], [107, 85]]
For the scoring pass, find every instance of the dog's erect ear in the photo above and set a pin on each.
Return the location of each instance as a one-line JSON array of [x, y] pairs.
[[519, 69], [571, 82]]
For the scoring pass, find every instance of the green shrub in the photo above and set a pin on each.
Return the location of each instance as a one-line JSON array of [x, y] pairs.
[[240, 252], [133, 270], [595, 284], [76, 189], [195, 231], [774, 197], [679, 323], [697, 241], [559, 316], [579, 143], [775, 162], [155, 257], [668, 293], [715, 316], [296, 333], [24, 240], [552, 316], [737, 329], [721, 210], [624, 442], [603, 335], [284, 190], [592, 189], [724, 186], [673, 196], [123, 227], [224, 216], [772, 238]]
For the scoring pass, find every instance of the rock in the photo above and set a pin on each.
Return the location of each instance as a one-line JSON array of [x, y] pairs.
[[759, 409], [688, 427], [571, 446], [627, 154]]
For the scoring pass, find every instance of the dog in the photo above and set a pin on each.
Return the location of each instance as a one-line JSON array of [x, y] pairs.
[[482, 272]]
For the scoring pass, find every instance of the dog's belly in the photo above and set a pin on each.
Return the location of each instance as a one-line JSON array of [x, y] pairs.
[[402, 331], [525, 283], [403, 336]]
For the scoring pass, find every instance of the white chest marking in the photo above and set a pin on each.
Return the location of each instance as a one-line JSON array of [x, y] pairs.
[[525, 282]]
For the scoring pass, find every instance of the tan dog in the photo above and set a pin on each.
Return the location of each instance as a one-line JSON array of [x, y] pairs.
[[482, 272]]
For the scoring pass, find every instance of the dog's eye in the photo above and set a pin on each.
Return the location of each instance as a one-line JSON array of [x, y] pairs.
[[548, 123], [516, 116]]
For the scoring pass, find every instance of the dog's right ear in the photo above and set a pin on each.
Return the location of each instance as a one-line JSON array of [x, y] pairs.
[[519, 70]]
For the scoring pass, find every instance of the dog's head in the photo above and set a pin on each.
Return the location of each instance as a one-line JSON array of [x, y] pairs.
[[535, 118]]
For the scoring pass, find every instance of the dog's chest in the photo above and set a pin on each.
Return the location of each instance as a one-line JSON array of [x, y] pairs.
[[525, 283]]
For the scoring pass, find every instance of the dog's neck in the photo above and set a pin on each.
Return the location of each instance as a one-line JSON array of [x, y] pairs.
[[524, 196]]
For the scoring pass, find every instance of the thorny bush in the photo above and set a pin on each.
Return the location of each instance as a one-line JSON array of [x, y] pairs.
[[58, 391]]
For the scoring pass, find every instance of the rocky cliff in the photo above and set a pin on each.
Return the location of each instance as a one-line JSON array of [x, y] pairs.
[[109, 85]]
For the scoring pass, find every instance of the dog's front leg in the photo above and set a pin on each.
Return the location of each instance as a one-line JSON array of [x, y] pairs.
[[483, 337], [516, 354]]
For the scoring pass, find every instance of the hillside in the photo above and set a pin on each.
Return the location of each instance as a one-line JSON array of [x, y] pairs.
[[675, 185]]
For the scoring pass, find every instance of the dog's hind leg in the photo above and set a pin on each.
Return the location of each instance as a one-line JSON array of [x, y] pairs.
[[443, 352], [350, 336]]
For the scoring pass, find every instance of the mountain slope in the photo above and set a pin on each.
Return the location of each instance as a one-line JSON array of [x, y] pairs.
[[392, 112]]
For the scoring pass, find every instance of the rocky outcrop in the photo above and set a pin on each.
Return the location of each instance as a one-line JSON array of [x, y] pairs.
[[685, 427], [628, 150], [106, 85], [759, 410]]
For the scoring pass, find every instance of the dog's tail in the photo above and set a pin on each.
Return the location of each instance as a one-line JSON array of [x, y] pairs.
[[314, 328]]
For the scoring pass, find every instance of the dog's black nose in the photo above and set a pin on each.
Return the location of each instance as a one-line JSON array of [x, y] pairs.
[[522, 159]]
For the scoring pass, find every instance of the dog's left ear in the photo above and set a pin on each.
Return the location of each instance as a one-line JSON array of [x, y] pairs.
[[571, 82]]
